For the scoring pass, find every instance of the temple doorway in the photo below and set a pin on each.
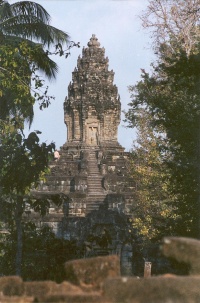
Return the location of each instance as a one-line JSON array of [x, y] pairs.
[[93, 135]]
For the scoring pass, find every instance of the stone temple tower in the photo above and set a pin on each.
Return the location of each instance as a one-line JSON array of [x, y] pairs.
[[91, 173], [92, 109], [88, 188]]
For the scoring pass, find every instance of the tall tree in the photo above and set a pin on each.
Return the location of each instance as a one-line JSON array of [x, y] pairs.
[[29, 21], [22, 162], [154, 211], [172, 97], [174, 26], [26, 35]]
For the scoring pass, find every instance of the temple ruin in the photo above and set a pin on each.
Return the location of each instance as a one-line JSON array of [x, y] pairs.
[[91, 170]]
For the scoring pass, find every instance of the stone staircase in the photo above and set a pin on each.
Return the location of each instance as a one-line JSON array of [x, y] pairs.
[[96, 194]]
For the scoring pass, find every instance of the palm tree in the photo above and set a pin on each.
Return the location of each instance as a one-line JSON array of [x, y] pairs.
[[23, 22], [28, 22]]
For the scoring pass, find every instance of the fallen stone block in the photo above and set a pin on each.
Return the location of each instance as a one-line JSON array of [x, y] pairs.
[[175, 289], [39, 288], [42, 291], [74, 298], [185, 250], [16, 299], [66, 287], [11, 286], [92, 271]]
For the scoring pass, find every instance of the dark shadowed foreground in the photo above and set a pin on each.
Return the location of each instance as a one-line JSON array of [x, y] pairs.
[[98, 280]]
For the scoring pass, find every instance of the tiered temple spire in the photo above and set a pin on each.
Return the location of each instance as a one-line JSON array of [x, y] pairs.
[[92, 108]]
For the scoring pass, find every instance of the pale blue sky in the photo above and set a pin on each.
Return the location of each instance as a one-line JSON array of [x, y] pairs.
[[118, 28]]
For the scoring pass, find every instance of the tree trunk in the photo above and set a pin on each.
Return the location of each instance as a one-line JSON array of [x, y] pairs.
[[198, 198], [18, 221]]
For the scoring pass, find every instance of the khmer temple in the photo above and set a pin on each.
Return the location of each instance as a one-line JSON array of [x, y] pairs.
[[90, 169]]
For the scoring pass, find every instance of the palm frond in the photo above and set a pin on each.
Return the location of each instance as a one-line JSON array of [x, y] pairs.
[[39, 57], [30, 27], [29, 8], [43, 62], [5, 11]]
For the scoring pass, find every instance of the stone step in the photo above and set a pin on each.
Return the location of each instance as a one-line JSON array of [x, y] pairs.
[[100, 194], [93, 172], [95, 182], [95, 191], [95, 201], [93, 165], [94, 204], [97, 197], [95, 187], [93, 198], [90, 208]]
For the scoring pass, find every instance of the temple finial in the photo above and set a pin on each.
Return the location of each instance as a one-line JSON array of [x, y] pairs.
[[93, 42]]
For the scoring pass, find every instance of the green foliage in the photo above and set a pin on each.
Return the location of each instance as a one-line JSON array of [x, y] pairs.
[[171, 96], [44, 255], [154, 204], [22, 159], [28, 21], [25, 32]]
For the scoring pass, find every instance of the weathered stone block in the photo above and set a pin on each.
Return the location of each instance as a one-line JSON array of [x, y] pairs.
[[92, 271], [49, 291], [73, 298], [16, 299], [153, 290], [11, 286], [185, 250], [39, 288]]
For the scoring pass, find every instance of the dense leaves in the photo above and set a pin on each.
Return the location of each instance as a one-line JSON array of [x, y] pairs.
[[26, 36], [22, 160], [172, 98], [44, 255], [154, 204], [29, 21]]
